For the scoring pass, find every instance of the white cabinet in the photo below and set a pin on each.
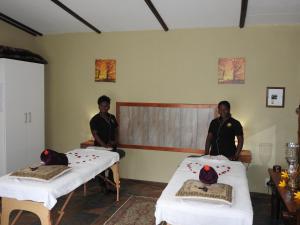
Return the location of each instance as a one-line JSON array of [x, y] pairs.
[[22, 134]]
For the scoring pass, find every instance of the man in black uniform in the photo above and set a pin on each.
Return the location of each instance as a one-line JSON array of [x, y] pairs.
[[104, 128], [222, 132]]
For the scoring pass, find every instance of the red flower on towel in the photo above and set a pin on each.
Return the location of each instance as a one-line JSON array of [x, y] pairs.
[[206, 167]]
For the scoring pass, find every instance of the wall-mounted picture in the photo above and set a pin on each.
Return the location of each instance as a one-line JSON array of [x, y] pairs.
[[275, 97], [231, 70], [105, 70]]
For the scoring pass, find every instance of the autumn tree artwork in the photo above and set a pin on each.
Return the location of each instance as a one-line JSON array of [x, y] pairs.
[[105, 70], [231, 70]]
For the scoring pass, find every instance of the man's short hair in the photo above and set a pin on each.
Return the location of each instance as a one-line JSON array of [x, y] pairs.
[[103, 98], [225, 103]]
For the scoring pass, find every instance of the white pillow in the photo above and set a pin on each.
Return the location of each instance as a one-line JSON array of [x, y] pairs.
[[41, 173], [214, 193]]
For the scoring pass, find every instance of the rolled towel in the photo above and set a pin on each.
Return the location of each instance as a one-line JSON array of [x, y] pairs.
[[208, 175], [51, 157]]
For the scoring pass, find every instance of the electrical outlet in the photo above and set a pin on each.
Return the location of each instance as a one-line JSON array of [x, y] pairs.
[[267, 180]]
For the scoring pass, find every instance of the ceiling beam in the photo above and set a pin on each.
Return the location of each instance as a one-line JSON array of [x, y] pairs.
[[243, 13], [19, 25], [64, 7], [156, 14]]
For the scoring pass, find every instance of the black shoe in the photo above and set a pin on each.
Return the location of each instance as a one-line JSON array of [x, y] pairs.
[[104, 190], [100, 181], [102, 184], [110, 188]]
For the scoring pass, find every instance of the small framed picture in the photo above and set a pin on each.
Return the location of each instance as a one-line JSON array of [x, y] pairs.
[[275, 97], [105, 70]]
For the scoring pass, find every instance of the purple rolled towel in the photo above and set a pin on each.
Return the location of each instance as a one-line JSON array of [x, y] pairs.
[[208, 175], [51, 157]]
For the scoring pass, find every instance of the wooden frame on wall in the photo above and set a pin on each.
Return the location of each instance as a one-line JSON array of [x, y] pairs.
[[275, 97], [134, 116]]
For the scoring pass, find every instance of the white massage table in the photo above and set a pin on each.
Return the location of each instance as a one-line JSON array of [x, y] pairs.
[[177, 211], [40, 197]]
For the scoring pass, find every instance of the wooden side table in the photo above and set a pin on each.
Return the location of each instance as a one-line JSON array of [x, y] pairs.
[[282, 201]]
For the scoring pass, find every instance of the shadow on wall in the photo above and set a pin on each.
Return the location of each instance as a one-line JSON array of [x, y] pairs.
[[263, 145], [263, 148], [85, 132]]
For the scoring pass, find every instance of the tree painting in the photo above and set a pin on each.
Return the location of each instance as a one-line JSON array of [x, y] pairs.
[[105, 70], [231, 70]]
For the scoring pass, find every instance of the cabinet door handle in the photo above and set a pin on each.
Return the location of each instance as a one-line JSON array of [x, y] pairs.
[[29, 117], [25, 117]]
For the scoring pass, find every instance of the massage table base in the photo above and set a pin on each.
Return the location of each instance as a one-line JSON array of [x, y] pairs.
[[10, 204]]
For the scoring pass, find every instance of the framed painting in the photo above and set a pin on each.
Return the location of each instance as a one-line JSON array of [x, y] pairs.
[[231, 70], [105, 70], [275, 97]]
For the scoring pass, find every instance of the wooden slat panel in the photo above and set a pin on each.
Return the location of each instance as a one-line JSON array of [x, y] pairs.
[[164, 125]]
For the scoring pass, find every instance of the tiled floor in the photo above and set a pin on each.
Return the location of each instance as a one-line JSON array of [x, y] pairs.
[[262, 208], [97, 207]]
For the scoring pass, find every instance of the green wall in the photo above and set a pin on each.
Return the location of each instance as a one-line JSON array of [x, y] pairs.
[[175, 67]]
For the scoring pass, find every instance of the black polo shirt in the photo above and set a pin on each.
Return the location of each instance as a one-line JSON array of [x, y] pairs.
[[224, 133], [105, 128]]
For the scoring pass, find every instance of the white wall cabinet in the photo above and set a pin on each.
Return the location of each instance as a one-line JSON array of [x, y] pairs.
[[22, 129]]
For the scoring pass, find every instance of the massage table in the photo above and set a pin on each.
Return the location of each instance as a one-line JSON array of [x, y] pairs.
[[178, 211], [40, 197]]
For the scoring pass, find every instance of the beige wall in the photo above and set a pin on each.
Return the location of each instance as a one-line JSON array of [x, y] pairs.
[[178, 67], [174, 67], [14, 37]]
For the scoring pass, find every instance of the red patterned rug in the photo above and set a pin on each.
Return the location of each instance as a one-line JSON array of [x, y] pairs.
[[137, 210]]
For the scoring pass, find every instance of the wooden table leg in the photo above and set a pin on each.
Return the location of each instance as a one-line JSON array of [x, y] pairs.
[[275, 202], [10, 204], [17, 217], [5, 214], [115, 170], [62, 210]]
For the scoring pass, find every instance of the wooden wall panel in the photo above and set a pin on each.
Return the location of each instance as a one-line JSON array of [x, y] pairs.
[[160, 126]]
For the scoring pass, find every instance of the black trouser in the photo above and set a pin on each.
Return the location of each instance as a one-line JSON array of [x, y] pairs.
[[120, 152], [121, 155]]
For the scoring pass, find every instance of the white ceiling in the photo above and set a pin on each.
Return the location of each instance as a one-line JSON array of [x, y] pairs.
[[130, 15]]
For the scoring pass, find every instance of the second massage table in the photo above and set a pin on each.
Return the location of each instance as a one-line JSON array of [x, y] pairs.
[[178, 211]]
